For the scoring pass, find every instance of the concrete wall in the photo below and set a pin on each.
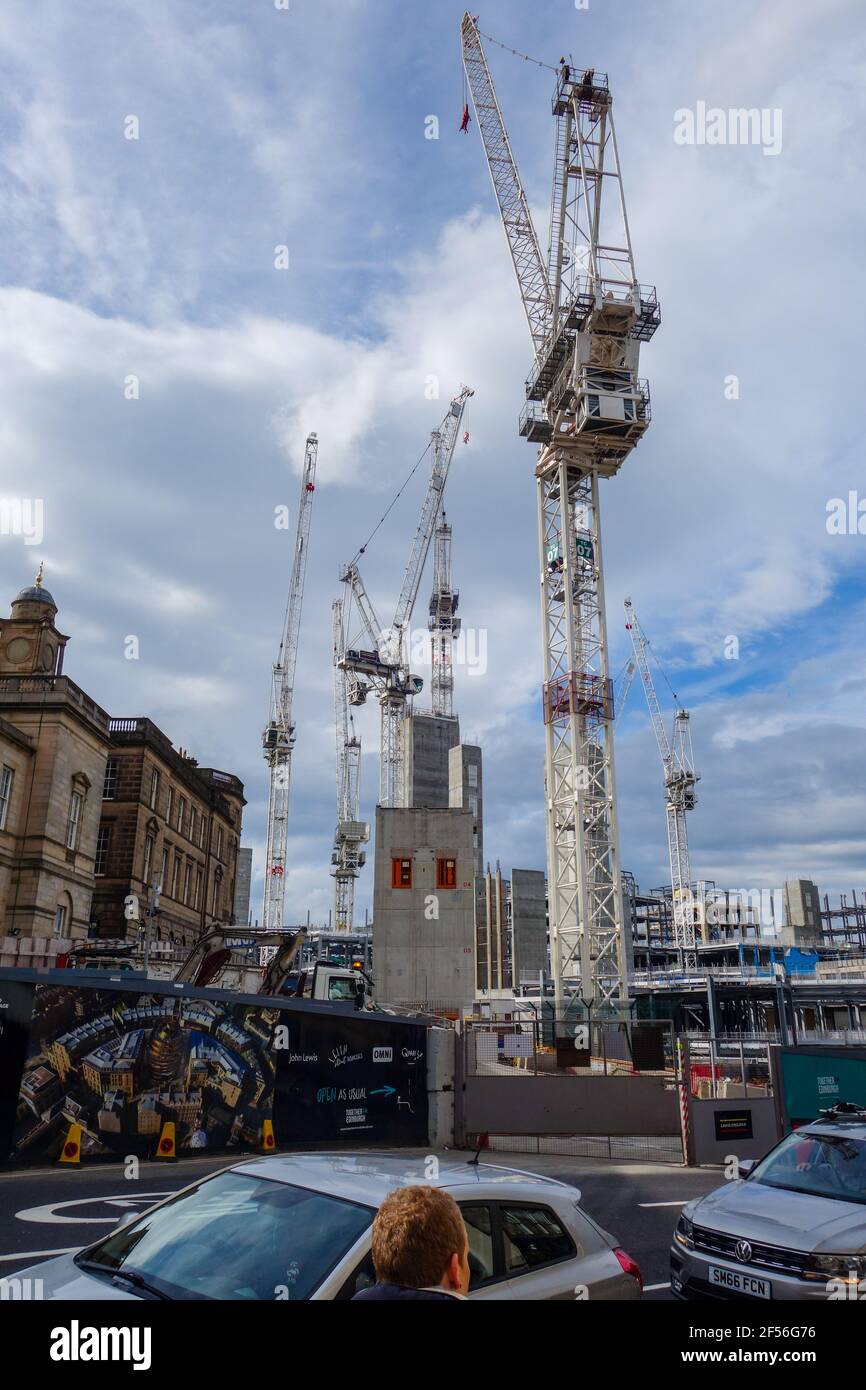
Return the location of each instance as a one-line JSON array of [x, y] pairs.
[[441, 1061], [802, 926], [528, 924], [709, 1119], [568, 1105], [242, 886], [429, 740], [424, 935]]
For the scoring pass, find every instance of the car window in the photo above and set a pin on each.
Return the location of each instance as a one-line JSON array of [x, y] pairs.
[[533, 1236], [823, 1165], [478, 1220], [235, 1237], [362, 1277]]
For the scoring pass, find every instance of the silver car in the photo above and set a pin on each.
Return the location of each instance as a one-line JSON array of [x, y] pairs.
[[794, 1227], [297, 1226]]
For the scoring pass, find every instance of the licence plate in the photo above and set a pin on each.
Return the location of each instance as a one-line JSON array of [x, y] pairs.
[[736, 1282]]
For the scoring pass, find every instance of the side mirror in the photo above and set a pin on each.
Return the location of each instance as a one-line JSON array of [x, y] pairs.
[[125, 1219], [745, 1166]]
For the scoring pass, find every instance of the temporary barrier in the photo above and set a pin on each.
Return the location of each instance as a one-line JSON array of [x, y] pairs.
[[135, 1064]]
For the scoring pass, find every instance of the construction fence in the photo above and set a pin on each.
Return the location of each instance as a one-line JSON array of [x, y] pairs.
[[589, 1088]]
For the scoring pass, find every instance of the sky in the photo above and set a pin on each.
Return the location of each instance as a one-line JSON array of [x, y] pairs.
[[160, 370]]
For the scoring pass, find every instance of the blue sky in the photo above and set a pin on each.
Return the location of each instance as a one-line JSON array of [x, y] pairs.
[[155, 257]]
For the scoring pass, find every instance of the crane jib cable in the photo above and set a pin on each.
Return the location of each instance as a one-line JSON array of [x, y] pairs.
[[516, 51], [395, 499]]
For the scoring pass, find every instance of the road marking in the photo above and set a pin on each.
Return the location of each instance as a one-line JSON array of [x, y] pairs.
[[39, 1254], [45, 1215], [665, 1204]]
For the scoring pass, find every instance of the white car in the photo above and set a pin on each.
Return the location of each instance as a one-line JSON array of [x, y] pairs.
[[297, 1226]]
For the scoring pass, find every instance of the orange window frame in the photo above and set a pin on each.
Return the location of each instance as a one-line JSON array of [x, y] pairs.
[[401, 872], [446, 873]]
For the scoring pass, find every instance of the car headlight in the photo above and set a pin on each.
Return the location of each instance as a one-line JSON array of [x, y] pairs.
[[684, 1233], [851, 1268]]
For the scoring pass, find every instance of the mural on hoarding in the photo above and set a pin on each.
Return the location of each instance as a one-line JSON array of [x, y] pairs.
[[121, 1063]]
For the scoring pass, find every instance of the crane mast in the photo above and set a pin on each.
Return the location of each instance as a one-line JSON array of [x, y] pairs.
[[384, 664], [279, 735], [586, 410], [443, 624], [347, 857], [678, 766]]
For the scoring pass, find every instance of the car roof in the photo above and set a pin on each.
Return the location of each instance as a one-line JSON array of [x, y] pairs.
[[368, 1178], [852, 1129]]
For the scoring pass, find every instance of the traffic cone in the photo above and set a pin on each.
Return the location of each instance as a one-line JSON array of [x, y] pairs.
[[165, 1149], [70, 1154], [268, 1143]]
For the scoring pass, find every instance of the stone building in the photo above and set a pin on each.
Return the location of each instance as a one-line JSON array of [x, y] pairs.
[[53, 745], [166, 822], [93, 808]]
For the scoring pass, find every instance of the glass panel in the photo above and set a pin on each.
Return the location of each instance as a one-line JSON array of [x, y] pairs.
[[479, 1228], [533, 1236], [236, 1237]]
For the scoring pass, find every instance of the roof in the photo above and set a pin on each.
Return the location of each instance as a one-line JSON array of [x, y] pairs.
[[368, 1178], [34, 593]]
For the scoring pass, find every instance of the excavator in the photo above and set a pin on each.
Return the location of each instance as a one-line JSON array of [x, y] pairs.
[[324, 981]]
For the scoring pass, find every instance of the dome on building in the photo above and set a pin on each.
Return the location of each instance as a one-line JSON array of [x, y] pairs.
[[35, 594]]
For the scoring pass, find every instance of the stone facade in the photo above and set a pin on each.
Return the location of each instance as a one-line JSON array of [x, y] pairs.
[[53, 745], [81, 815], [168, 823]]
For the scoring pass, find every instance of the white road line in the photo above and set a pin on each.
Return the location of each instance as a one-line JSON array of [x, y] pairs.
[[651, 1288], [665, 1204], [38, 1254], [48, 1213]]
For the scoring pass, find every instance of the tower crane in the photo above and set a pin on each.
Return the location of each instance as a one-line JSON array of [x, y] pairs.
[[279, 735], [384, 663], [586, 409], [351, 833], [443, 624], [678, 765]]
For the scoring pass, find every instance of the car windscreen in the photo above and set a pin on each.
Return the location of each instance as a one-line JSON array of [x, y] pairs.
[[233, 1237], [823, 1165]]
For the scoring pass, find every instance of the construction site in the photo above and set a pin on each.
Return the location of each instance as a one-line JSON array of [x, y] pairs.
[[579, 939], [599, 972]]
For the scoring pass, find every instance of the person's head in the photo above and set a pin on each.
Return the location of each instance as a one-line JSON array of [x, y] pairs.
[[420, 1241]]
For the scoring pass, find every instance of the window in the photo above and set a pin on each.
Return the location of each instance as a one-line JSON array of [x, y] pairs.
[[216, 896], [219, 842], [401, 873], [148, 859], [154, 788], [362, 1277], [168, 805], [7, 777], [473, 774], [192, 820], [60, 920], [446, 873], [533, 1236], [479, 1229], [73, 824], [181, 813], [175, 875], [473, 806], [197, 896], [187, 880], [163, 874], [109, 786], [103, 840]]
